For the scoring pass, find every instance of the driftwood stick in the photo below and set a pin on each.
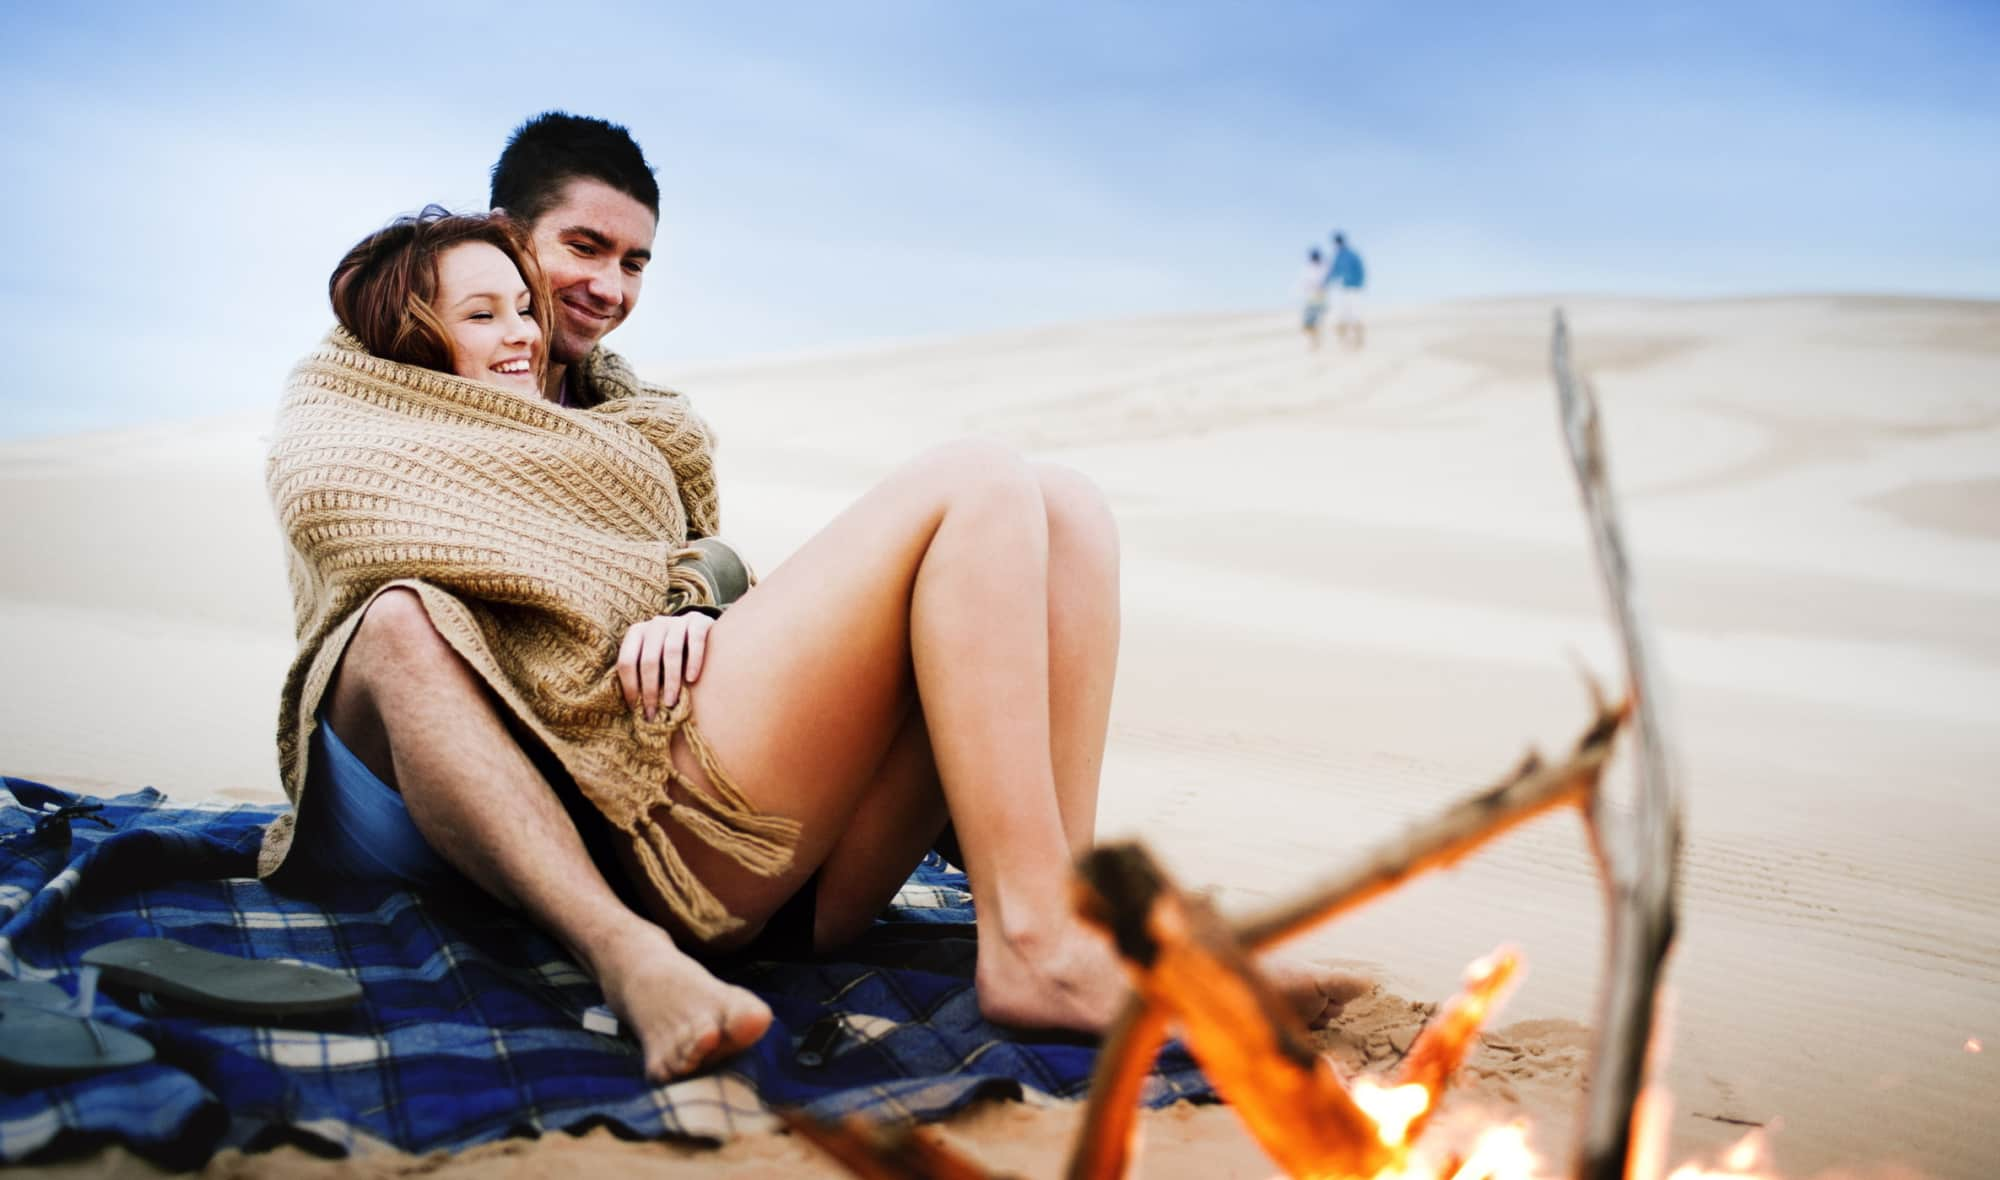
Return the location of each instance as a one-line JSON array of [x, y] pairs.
[[875, 1152], [1103, 1147], [1442, 840], [1104, 1141], [1640, 853], [1251, 1043]]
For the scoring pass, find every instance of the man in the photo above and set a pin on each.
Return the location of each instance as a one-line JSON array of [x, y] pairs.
[[1344, 278], [592, 207]]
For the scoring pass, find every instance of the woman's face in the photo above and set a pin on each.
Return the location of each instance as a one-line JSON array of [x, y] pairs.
[[487, 313]]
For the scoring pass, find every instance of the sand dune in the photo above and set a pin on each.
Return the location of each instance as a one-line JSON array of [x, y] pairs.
[[1356, 586]]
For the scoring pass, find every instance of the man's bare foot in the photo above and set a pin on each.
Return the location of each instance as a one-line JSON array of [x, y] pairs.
[[1319, 993], [1065, 977], [684, 1017]]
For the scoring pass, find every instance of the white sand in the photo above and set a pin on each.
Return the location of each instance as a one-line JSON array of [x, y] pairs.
[[1356, 586]]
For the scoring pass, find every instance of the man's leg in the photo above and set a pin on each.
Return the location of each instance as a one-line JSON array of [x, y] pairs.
[[421, 719]]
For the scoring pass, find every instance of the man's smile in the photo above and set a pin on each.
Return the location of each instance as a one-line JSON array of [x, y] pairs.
[[584, 313]]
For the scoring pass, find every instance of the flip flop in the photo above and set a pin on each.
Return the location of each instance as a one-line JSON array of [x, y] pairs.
[[42, 1037], [222, 983]]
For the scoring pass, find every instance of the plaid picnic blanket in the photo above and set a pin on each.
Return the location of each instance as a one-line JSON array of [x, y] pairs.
[[470, 1027]]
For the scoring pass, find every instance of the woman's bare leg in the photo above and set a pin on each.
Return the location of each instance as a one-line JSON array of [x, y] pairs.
[[1083, 642], [935, 586], [905, 805], [421, 719], [901, 809], [901, 813]]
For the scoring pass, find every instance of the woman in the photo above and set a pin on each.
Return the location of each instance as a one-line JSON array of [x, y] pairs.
[[915, 658], [459, 294]]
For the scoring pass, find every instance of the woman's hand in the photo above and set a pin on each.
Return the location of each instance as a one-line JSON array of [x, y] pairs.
[[658, 656]]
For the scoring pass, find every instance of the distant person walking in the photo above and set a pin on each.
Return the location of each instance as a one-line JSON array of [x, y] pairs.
[[1345, 277], [1312, 288]]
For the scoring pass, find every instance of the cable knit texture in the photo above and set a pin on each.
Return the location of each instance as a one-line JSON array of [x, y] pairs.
[[535, 536]]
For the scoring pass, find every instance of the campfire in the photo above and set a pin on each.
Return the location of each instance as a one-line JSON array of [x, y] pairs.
[[1193, 973]]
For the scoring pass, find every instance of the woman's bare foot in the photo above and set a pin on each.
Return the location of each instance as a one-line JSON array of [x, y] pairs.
[[1072, 978], [684, 1017], [1063, 976]]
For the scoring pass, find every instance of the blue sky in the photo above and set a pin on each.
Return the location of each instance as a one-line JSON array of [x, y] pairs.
[[179, 179]]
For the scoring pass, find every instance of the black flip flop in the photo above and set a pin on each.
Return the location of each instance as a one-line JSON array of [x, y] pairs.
[[43, 1039], [222, 983]]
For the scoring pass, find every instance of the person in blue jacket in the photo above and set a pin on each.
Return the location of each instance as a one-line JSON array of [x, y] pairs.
[[1345, 277]]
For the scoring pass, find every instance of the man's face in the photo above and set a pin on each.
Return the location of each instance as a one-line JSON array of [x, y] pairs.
[[594, 245]]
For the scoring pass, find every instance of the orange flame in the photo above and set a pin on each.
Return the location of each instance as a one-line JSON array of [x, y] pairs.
[[1744, 1161], [1399, 1110], [1501, 1154], [1393, 1108], [1442, 1046]]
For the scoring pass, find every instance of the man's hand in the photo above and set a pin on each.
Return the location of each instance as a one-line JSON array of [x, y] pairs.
[[658, 656]]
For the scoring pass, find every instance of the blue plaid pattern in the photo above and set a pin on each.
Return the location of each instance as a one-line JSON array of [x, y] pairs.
[[470, 1027]]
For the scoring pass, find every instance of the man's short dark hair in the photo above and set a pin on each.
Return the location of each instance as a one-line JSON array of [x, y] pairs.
[[548, 151]]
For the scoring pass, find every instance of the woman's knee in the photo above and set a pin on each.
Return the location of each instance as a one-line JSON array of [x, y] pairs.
[[977, 467], [1080, 519]]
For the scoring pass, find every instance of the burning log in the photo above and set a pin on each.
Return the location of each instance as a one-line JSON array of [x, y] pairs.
[[1104, 1142], [1639, 854], [1251, 1044], [1103, 1148]]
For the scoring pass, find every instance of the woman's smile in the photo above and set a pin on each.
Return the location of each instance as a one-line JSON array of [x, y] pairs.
[[488, 316]]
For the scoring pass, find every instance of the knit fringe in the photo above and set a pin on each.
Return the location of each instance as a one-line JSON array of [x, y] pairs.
[[692, 902], [720, 817]]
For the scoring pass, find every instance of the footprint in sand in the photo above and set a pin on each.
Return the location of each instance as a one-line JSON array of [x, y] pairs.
[[1377, 1030]]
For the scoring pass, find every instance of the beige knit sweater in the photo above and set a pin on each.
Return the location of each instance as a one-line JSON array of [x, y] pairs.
[[535, 537]]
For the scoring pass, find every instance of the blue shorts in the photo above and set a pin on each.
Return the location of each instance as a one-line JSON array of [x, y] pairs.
[[357, 828]]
